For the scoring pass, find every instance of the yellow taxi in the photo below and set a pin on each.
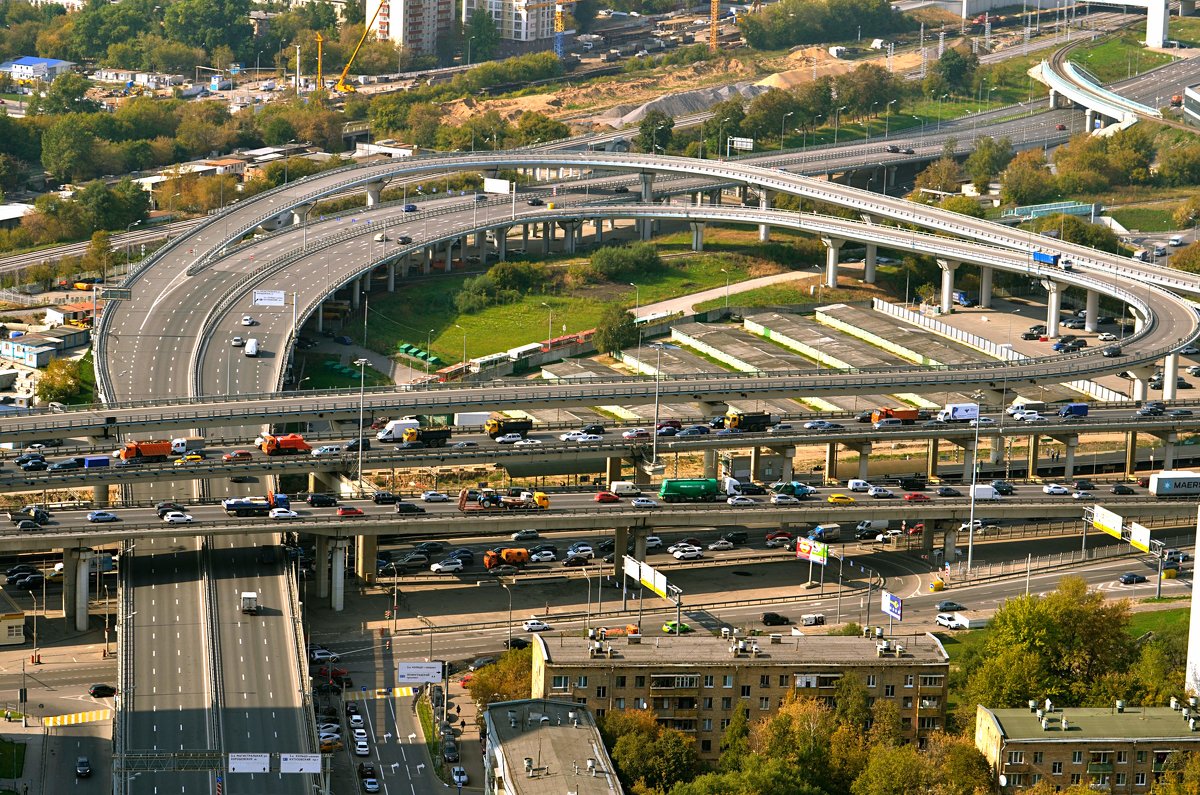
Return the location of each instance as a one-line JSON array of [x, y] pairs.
[[839, 499], [190, 458]]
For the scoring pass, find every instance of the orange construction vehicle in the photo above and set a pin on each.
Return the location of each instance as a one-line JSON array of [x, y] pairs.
[[148, 452], [291, 444]]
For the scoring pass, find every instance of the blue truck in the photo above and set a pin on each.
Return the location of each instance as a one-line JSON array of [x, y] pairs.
[[255, 506], [962, 299], [1074, 410], [95, 461], [1046, 259]]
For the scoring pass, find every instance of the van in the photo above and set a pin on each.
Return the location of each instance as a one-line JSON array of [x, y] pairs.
[[858, 485], [251, 348], [888, 422], [812, 619], [985, 492], [1175, 240], [381, 238], [328, 449], [872, 524], [624, 488]]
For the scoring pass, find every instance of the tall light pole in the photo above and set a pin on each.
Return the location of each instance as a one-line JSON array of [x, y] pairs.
[[724, 271], [549, 324], [428, 342], [637, 303], [504, 585], [362, 396], [887, 118], [464, 355], [286, 158], [837, 114], [720, 136], [128, 230], [942, 97], [657, 371], [781, 126], [867, 123]]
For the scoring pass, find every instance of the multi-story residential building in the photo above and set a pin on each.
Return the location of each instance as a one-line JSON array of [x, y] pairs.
[[1117, 750], [693, 683], [537, 746], [516, 20], [411, 24]]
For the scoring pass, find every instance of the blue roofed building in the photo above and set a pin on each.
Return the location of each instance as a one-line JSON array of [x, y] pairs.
[[27, 67]]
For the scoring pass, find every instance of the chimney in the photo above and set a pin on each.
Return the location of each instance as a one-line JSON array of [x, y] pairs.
[[591, 765], [1174, 703]]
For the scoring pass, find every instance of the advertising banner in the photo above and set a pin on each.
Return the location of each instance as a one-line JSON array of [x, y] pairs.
[[815, 551], [745, 144], [491, 185]]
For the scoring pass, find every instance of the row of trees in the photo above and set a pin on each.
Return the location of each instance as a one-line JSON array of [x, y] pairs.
[[96, 206], [425, 124], [791, 22]]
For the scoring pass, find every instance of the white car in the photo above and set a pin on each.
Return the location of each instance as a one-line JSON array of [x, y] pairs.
[[1023, 414], [355, 720], [447, 566], [527, 443], [237, 342], [581, 551], [458, 774], [571, 436], [329, 728], [784, 499], [948, 620], [283, 513], [329, 737], [681, 545], [247, 320], [544, 556], [688, 553], [177, 517], [589, 438], [328, 449], [721, 543], [1082, 495], [361, 748], [975, 423], [535, 625], [636, 433], [434, 496], [1055, 488], [322, 656], [509, 438], [359, 734], [653, 542], [643, 502], [879, 493], [741, 500], [1106, 336]]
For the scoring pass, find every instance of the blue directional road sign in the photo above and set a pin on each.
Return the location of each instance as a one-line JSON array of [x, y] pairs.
[[893, 605]]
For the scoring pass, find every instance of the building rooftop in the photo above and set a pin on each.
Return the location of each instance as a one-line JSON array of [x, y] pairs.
[[30, 60], [1094, 723], [559, 737], [699, 649]]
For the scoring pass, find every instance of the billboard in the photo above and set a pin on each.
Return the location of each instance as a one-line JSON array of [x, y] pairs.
[[299, 763], [814, 551], [646, 574], [893, 606], [419, 671], [1139, 536], [1106, 521], [249, 763], [745, 144], [496, 185], [270, 298]]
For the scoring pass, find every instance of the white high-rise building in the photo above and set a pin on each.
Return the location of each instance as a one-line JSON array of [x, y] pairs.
[[517, 20], [413, 25]]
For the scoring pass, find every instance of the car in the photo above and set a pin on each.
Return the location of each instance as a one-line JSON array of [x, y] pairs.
[[676, 628], [782, 427], [359, 733], [331, 746], [589, 438], [509, 438], [408, 507], [949, 606], [434, 496], [1055, 488], [102, 691], [573, 561], [36, 465], [581, 550], [67, 464], [1075, 323], [977, 422], [83, 767], [721, 543], [543, 556], [102, 516], [248, 320], [636, 433], [949, 621], [1131, 578], [21, 568], [688, 553], [350, 510], [370, 784], [653, 542], [448, 566], [740, 500], [1111, 351], [458, 775], [775, 620], [410, 208], [362, 748], [190, 458], [464, 445], [880, 493], [1176, 556], [177, 517], [534, 201], [694, 430], [325, 729], [1179, 413], [916, 496], [525, 535], [25, 458], [1106, 336], [450, 751], [643, 502], [779, 538], [892, 148], [686, 543], [418, 445], [283, 514], [818, 425], [667, 431], [571, 436], [1060, 127], [534, 625], [1003, 488], [467, 556], [329, 671], [839, 499], [784, 499], [237, 455], [908, 150], [607, 496]]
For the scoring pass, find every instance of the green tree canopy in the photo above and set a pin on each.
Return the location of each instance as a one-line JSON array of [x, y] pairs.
[[483, 36], [616, 329]]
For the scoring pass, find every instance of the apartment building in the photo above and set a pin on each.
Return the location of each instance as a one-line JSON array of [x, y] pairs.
[[1118, 749], [411, 24], [694, 682], [544, 746], [516, 20]]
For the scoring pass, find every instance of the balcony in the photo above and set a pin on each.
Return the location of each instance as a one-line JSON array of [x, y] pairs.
[[1098, 768]]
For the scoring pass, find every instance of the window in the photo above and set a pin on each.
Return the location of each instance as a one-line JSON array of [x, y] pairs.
[[745, 691], [907, 703], [927, 723], [764, 681], [674, 682], [1016, 757], [1056, 768], [1141, 757], [708, 703], [1119, 779], [708, 680], [1016, 779], [1075, 779], [909, 679], [559, 682], [620, 683], [929, 680], [618, 703], [1122, 757], [1037, 779], [828, 680], [727, 681], [687, 702], [581, 682], [872, 680], [601, 691], [764, 703], [600, 712], [726, 703], [806, 680], [1037, 757], [889, 691], [706, 724], [1139, 779], [639, 682], [724, 724], [705, 745], [783, 680], [1077, 757], [639, 703]]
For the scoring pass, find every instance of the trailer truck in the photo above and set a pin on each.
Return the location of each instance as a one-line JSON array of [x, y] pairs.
[[187, 444], [149, 452], [690, 490], [498, 426], [288, 444], [750, 422], [255, 506], [959, 412], [432, 437], [394, 430], [1175, 483]]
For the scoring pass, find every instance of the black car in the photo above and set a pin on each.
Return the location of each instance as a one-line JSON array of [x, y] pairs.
[[534, 201], [948, 491], [102, 691], [667, 431], [322, 501], [1131, 578], [517, 643], [467, 556], [37, 465], [408, 507], [866, 533], [736, 536], [83, 767], [1121, 488], [621, 189], [1085, 485], [384, 498], [450, 751], [1030, 335], [752, 489], [411, 446], [575, 560], [892, 148], [774, 620], [164, 508], [20, 568], [605, 546], [594, 428], [66, 464], [404, 239], [25, 458], [1003, 488], [353, 445], [909, 151], [431, 547], [544, 548]]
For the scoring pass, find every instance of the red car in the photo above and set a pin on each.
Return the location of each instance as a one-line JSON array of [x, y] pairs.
[[349, 510], [917, 529], [1060, 127], [330, 671], [237, 455], [607, 496], [916, 496], [676, 424], [778, 537]]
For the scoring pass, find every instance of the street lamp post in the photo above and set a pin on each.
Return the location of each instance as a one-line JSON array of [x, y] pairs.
[[504, 585], [286, 158], [724, 271], [637, 302], [464, 353], [549, 324], [721, 136], [428, 340], [362, 395], [867, 123], [887, 118], [782, 124], [128, 230], [942, 97], [837, 118]]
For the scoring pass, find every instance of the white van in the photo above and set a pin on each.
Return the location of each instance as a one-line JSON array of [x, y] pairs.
[[858, 485], [872, 524], [812, 619], [624, 488], [251, 348], [986, 492], [1175, 240], [381, 238], [328, 449]]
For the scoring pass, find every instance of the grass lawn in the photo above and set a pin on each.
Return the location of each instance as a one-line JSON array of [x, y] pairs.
[[319, 376], [1185, 30], [432, 738], [1144, 219], [780, 295], [1157, 621], [1119, 58], [959, 643], [12, 759], [87, 374]]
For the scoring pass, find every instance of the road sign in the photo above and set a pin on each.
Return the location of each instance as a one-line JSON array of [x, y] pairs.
[[893, 605], [1139, 536], [745, 144], [299, 763], [419, 671], [249, 763], [116, 293], [270, 298], [1106, 521]]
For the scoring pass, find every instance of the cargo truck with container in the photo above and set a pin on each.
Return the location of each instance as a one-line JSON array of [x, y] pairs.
[[906, 416], [394, 430], [250, 603], [288, 444], [255, 506], [431, 437], [1074, 410], [1175, 483], [148, 452], [498, 426], [959, 412], [95, 461], [750, 422], [490, 499], [1046, 259], [690, 490], [962, 299], [513, 557], [985, 492], [187, 444]]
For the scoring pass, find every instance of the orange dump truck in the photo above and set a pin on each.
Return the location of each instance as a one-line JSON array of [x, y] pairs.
[[291, 444], [148, 452]]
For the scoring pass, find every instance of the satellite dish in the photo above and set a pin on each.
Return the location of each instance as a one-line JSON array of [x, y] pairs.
[[1003, 780]]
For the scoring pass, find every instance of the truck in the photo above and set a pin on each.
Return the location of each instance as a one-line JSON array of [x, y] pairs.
[[793, 488], [875, 525], [255, 506], [513, 557], [432, 437], [732, 486], [1176, 100], [959, 412], [471, 419], [1046, 259], [394, 430], [148, 452], [962, 299], [250, 603], [985, 492], [288, 444], [1175, 483], [1021, 404], [690, 490], [750, 422], [490, 499], [826, 532], [498, 426], [906, 416], [95, 461], [187, 444], [1074, 410]]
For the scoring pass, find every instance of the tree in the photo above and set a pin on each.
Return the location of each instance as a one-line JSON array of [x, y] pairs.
[[1187, 213], [1026, 180], [67, 94], [68, 149], [646, 753], [508, 679], [483, 36], [209, 24], [988, 159], [735, 740], [1187, 259], [1181, 776], [893, 770], [964, 205], [851, 702], [98, 251], [61, 380], [615, 330], [956, 68], [534, 127], [958, 766], [940, 176], [1180, 165], [654, 133]]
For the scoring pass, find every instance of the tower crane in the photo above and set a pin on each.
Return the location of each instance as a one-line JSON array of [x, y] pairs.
[[560, 26], [341, 86]]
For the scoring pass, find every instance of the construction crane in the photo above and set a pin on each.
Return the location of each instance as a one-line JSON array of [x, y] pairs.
[[320, 60], [341, 86], [714, 25], [560, 25]]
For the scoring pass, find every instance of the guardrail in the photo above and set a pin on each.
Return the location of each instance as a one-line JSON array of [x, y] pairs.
[[125, 650], [212, 622], [301, 660]]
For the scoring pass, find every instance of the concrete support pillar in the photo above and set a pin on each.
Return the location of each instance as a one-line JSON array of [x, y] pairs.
[[1053, 307], [864, 460], [1092, 307], [612, 469], [319, 313], [502, 242], [1089, 119], [948, 267], [427, 261], [714, 196], [698, 236], [620, 544], [710, 463], [449, 265], [337, 569], [755, 459], [1053, 99], [644, 225], [1141, 388], [99, 496], [1035, 454], [366, 549], [764, 203], [356, 294], [869, 264], [1157, 16], [1170, 376], [374, 189], [639, 542], [833, 249], [985, 287], [1168, 453], [300, 214], [569, 231], [599, 225], [831, 461], [996, 450], [786, 469], [391, 277], [321, 557], [72, 584], [931, 459], [1130, 453], [525, 236], [1071, 445], [969, 458]]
